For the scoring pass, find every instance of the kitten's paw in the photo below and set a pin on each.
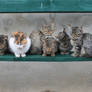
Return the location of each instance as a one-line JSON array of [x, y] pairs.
[[43, 54], [75, 55], [17, 55], [23, 55], [52, 54], [83, 52]]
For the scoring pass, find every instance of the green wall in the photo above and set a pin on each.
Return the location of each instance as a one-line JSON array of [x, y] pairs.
[[45, 5]]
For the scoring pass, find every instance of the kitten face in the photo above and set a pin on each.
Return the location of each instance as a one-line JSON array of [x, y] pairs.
[[76, 33], [47, 30], [20, 38]]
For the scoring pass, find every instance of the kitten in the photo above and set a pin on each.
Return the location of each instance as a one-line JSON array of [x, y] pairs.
[[19, 44], [82, 42], [49, 46], [3, 44], [36, 47], [49, 43], [64, 42]]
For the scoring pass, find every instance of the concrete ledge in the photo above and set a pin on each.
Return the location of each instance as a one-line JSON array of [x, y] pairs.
[[35, 58]]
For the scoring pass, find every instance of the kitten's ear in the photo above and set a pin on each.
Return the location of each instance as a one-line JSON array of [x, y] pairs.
[[52, 25], [25, 34], [64, 28], [68, 30], [15, 33]]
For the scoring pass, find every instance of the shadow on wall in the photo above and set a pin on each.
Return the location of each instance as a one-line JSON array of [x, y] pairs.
[[28, 22]]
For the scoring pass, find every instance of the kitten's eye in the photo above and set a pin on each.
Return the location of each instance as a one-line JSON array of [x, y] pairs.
[[78, 34]]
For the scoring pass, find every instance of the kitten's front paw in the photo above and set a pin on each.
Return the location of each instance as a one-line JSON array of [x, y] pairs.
[[83, 52], [43, 54], [17, 55], [82, 55], [75, 55], [23, 55], [52, 54]]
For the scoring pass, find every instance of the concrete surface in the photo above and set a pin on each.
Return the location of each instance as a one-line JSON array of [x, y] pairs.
[[10, 22], [36, 77]]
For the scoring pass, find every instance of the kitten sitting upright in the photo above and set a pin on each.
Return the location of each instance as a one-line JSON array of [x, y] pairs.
[[82, 42], [64, 42], [49, 43], [36, 47], [19, 44], [3, 44]]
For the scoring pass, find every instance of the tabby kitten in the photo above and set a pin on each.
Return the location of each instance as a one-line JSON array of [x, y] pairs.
[[64, 42], [49, 46], [82, 42], [3, 44], [77, 37], [36, 47], [49, 43], [19, 44]]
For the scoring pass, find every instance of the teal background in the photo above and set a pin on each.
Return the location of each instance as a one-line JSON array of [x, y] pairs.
[[45, 5]]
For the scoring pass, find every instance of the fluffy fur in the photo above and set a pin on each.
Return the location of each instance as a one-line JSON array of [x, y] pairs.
[[36, 47], [49, 46], [3, 44], [64, 42], [49, 43], [19, 44]]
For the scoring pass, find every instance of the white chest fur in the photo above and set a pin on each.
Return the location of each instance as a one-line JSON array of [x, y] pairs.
[[19, 50]]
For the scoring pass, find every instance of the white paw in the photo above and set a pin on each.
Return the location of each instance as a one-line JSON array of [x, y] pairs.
[[17, 55], [23, 55]]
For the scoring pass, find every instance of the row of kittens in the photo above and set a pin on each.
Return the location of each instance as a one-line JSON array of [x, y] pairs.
[[43, 42]]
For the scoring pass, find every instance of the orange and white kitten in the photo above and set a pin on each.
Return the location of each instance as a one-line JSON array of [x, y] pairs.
[[19, 44]]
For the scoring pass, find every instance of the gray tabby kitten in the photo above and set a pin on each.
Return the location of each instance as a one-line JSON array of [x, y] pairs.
[[64, 42], [3, 44], [82, 42], [36, 47]]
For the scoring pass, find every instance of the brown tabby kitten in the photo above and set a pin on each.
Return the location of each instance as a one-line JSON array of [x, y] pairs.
[[49, 46], [3, 44], [49, 43]]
